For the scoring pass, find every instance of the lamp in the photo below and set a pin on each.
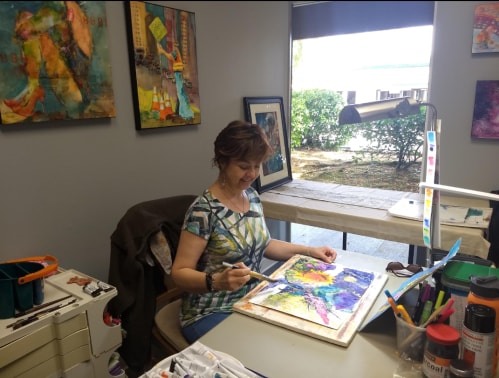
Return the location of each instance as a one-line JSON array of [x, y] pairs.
[[378, 110], [402, 107]]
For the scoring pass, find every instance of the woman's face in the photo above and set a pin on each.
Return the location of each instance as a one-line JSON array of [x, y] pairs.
[[241, 174]]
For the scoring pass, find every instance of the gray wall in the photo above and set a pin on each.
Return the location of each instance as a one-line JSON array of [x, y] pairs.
[[465, 163], [65, 185]]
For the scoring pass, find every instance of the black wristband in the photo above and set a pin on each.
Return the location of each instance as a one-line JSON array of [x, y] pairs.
[[209, 282]]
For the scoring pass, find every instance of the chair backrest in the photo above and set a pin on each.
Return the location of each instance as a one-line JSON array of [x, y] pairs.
[[132, 255], [167, 330], [493, 231]]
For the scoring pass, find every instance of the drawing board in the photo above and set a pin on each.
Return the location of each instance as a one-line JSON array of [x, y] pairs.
[[321, 300]]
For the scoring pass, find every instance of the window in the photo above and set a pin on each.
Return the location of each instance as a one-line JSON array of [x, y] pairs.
[[362, 52]]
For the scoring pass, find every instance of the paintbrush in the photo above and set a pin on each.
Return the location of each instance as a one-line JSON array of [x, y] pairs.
[[253, 274]]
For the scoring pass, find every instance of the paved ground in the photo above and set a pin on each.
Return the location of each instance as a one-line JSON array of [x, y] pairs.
[[316, 236]]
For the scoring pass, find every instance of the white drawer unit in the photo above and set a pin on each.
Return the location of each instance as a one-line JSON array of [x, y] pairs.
[[71, 341]]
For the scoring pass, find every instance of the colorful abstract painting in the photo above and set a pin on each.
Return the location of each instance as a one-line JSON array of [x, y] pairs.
[[54, 61], [486, 111], [324, 293], [326, 301], [163, 65], [486, 28]]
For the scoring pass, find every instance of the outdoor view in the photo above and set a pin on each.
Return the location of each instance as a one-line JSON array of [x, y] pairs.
[[331, 72]]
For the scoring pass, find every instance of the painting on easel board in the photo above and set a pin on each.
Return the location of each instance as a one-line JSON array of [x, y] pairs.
[[325, 301]]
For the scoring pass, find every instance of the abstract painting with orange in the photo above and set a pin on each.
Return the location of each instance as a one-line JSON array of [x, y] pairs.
[[54, 61], [325, 301], [326, 294]]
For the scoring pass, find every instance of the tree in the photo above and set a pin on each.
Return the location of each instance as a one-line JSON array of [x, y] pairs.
[[398, 138], [314, 120]]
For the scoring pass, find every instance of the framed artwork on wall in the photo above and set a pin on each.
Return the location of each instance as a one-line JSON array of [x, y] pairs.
[[485, 123], [163, 65], [54, 61], [268, 112], [486, 28]]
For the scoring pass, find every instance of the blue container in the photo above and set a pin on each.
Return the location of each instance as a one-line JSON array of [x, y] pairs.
[[21, 284]]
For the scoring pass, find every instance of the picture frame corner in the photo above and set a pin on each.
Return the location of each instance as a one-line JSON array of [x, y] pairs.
[[268, 113]]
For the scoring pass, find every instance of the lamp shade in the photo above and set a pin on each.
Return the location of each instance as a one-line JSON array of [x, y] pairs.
[[378, 110]]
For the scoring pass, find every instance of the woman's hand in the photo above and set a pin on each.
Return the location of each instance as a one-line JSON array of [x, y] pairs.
[[232, 279], [325, 253]]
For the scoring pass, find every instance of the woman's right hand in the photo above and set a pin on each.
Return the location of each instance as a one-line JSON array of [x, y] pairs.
[[232, 279]]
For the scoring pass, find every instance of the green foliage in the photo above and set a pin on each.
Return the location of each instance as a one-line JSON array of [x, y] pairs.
[[401, 139], [314, 120]]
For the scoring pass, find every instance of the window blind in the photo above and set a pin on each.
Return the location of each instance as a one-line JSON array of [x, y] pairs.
[[320, 19]]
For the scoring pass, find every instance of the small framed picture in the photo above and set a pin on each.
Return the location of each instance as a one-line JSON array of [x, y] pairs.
[[268, 112]]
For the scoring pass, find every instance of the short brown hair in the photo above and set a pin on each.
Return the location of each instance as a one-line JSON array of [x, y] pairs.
[[241, 140]]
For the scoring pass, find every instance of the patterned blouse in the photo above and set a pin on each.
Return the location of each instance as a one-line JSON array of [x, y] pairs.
[[232, 237]]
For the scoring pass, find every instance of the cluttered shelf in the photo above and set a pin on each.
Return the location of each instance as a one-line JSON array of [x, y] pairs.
[[365, 211], [66, 333]]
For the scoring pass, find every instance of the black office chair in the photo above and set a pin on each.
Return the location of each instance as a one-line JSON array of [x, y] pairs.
[[493, 232], [141, 274]]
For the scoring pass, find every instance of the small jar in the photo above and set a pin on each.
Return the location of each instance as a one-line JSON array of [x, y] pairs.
[[441, 347], [460, 368]]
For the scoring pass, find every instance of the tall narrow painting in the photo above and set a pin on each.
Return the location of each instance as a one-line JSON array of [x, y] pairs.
[[163, 64], [54, 61]]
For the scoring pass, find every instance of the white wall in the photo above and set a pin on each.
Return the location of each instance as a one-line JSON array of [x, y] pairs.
[[65, 185], [471, 164]]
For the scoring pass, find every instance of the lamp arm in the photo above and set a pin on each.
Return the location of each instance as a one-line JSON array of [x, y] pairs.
[[433, 122], [460, 191]]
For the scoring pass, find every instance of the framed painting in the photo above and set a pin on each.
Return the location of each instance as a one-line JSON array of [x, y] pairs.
[[268, 112], [55, 61], [485, 123], [163, 65], [486, 28]]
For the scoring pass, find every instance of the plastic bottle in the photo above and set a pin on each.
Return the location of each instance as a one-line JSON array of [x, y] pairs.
[[478, 338], [485, 290]]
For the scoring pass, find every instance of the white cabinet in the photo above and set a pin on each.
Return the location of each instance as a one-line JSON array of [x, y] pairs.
[[73, 341]]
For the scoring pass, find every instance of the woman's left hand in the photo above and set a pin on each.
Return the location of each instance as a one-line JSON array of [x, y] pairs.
[[325, 253]]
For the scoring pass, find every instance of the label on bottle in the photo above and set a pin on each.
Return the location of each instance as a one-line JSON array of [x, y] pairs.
[[478, 349], [435, 366]]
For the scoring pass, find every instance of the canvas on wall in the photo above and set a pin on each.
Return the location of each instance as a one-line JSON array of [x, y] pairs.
[[485, 124], [486, 28], [54, 61], [325, 301], [163, 65]]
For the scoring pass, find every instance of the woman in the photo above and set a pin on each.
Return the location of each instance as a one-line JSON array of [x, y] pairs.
[[226, 224]]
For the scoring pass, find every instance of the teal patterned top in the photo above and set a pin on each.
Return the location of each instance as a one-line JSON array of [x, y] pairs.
[[232, 237]]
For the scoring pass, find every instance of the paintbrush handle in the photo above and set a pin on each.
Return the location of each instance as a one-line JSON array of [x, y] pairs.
[[253, 274], [261, 276]]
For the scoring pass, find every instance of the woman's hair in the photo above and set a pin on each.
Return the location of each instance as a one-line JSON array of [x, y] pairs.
[[241, 140]]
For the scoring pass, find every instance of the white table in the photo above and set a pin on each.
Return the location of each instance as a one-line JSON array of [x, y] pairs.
[[364, 211], [277, 352]]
